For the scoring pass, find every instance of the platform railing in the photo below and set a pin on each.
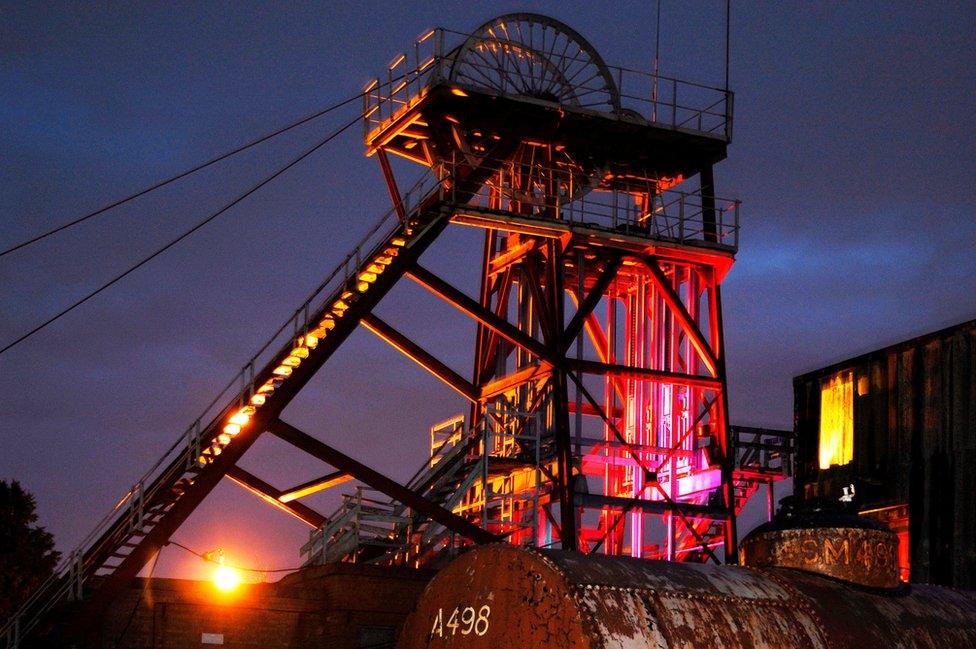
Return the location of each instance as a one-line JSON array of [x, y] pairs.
[[686, 217], [764, 451], [663, 101]]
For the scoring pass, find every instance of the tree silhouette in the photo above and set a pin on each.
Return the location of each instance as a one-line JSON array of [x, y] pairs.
[[27, 555]]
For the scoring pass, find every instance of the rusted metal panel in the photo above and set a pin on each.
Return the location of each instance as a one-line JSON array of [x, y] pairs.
[[919, 615], [867, 557], [501, 596], [518, 599]]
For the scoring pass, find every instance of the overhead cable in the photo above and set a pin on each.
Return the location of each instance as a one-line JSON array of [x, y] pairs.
[[183, 236], [184, 174], [207, 557]]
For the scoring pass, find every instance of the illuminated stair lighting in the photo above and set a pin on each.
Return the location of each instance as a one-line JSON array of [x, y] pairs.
[[240, 419]]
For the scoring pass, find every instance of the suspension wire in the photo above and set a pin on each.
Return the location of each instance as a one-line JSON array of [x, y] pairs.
[[186, 234], [206, 557], [183, 174], [728, 47], [657, 39]]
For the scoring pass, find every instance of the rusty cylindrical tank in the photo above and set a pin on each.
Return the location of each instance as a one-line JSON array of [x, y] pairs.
[[502, 596]]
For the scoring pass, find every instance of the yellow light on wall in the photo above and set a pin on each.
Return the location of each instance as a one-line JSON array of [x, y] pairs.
[[837, 420]]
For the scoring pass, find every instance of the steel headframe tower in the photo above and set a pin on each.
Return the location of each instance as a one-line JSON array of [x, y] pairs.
[[599, 400], [599, 416]]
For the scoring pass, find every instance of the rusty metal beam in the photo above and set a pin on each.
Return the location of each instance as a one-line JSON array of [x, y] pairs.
[[380, 482], [503, 261], [327, 481], [673, 300], [650, 506], [470, 307], [391, 184], [531, 274], [505, 383], [272, 496], [595, 331], [420, 356], [608, 369], [588, 410], [585, 308], [725, 441], [489, 349]]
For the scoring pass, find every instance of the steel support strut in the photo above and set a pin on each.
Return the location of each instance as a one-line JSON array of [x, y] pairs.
[[560, 395], [272, 496], [381, 483]]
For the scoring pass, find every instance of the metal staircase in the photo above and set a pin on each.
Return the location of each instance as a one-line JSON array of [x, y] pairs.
[[144, 519], [459, 476], [368, 529]]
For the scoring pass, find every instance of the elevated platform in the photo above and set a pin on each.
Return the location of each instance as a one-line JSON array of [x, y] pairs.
[[529, 78], [429, 126]]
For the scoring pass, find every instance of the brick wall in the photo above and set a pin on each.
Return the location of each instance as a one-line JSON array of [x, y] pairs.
[[341, 606]]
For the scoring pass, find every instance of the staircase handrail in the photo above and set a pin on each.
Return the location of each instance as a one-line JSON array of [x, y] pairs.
[[57, 585]]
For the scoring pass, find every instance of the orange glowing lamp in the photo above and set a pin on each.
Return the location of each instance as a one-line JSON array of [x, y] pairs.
[[226, 578]]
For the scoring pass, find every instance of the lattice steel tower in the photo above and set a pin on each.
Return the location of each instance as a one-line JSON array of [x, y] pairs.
[[599, 416], [598, 404]]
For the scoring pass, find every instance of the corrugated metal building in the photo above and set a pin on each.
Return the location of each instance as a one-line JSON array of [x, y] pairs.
[[894, 432]]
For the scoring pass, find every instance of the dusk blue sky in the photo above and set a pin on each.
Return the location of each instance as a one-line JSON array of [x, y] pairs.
[[853, 154]]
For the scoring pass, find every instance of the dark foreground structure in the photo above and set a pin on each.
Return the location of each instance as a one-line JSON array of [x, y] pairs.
[[339, 606], [893, 432], [804, 583]]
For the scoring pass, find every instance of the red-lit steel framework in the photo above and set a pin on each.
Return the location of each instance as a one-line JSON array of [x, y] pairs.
[[607, 284], [599, 407], [599, 414]]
